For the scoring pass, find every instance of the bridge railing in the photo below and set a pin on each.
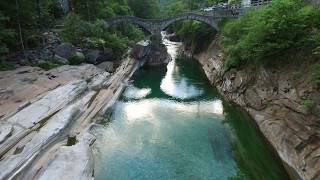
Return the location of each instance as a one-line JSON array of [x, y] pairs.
[[233, 10]]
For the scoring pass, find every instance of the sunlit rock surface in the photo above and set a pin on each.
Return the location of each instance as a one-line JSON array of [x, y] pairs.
[[46, 135], [71, 162], [25, 85]]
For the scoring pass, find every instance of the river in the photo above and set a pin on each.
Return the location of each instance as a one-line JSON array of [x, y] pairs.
[[170, 123]]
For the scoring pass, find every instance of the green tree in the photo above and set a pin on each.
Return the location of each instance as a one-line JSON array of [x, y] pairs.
[[26, 17], [5, 34], [143, 8], [283, 29]]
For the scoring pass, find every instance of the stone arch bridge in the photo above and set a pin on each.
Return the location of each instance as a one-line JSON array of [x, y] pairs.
[[209, 16], [155, 26]]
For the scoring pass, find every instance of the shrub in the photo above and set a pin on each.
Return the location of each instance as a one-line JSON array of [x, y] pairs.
[[280, 29], [95, 35], [4, 66], [76, 59], [46, 65], [308, 104], [71, 32]]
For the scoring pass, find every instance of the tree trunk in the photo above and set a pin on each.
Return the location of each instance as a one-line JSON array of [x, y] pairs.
[[88, 11], [19, 25], [39, 13]]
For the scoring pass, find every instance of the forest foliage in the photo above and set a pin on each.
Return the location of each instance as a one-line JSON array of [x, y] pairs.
[[23, 21], [285, 28]]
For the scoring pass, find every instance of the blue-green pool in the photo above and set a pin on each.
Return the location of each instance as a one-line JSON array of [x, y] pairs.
[[171, 124]]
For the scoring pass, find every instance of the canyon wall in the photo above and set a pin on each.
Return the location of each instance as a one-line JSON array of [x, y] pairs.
[[282, 101]]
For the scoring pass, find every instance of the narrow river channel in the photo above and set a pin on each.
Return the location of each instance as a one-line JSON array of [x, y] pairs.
[[171, 124]]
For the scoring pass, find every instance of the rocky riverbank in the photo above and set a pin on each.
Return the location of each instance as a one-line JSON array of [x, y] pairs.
[[46, 116], [278, 100]]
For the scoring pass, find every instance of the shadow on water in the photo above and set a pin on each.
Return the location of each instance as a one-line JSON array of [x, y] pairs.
[[255, 157]]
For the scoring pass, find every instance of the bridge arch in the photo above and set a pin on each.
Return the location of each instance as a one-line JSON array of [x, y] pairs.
[[131, 19], [190, 16], [157, 25]]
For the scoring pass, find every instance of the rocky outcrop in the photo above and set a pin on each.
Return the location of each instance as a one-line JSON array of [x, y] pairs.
[[48, 136], [95, 56], [275, 98], [50, 132], [107, 66], [158, 56], [20, 87], [150, 54]]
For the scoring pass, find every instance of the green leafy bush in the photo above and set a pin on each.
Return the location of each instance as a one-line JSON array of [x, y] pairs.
[[72, 28], [46, 65], [308, 104], [4, 66], [196, 34], [95, 35], [283, 28], [76, 59]]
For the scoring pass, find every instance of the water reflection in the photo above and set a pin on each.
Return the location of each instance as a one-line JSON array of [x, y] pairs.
[[173, 83], [146, 109]]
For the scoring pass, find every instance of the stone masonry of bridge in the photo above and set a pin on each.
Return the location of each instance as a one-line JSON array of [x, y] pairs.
[[155, 26]]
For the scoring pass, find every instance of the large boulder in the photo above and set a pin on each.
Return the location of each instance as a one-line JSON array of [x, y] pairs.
[[93, 56], [140, 50], [174, 38], [107, 66], [76, 58], [108, 54], [158, 55], [65, 50], [60, 60]]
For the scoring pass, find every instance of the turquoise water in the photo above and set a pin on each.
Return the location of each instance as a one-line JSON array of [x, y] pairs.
[[171, 124]]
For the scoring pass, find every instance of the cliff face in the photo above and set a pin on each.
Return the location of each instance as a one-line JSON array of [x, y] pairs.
[[277, 99]]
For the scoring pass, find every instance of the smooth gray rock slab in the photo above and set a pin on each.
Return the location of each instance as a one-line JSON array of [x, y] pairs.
[[71, 162], [5, 131], [98, 81], [47, 134], [48, 105]]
